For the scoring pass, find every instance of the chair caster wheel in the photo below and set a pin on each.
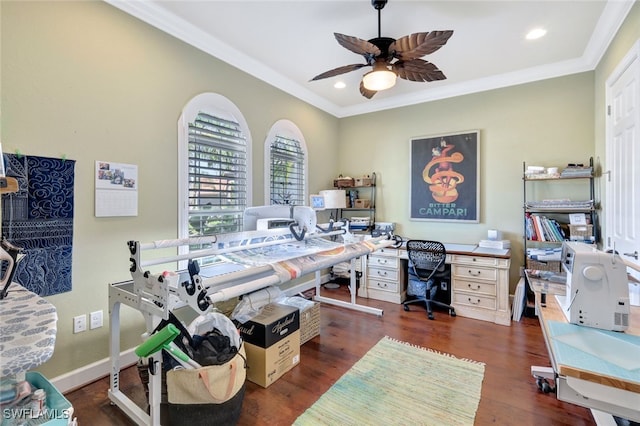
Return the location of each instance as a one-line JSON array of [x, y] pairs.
[[452, 313], [544, 385], [431, 317], [405, 307]]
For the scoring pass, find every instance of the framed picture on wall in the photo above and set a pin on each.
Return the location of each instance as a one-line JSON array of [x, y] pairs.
[[445, 177]]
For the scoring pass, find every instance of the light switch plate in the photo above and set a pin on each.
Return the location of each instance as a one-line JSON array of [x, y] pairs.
[[95, 319], [79, 323]]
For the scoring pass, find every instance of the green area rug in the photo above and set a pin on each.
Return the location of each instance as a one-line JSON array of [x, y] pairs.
[[396, 383]]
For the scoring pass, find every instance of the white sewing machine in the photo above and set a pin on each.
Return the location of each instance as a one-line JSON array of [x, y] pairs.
[[597, 293]]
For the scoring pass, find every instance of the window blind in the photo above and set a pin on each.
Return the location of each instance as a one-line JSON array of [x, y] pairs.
[[287, 172], [217, 175]]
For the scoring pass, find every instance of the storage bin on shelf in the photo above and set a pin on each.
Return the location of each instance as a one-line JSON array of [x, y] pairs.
[[362, 203], [363, 181], [343, 182], [547, 265], [581, 233]]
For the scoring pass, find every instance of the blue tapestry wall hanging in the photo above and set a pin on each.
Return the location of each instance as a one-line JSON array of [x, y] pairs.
[[39, 219]]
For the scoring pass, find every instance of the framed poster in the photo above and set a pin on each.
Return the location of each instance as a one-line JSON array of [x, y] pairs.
[[445, 177]]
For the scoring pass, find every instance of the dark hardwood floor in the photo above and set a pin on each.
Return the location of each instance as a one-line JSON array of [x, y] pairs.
[[509, 393]]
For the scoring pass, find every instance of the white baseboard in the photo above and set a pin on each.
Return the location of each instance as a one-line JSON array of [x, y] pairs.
[[90, 373]]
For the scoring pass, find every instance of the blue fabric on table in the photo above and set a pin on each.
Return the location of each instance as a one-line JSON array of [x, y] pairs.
[[39, 219]]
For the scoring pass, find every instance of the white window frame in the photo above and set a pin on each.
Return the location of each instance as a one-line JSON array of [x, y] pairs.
[[286, 129], [217, 105]]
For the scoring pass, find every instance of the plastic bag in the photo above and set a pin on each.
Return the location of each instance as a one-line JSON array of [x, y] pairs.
[[252, 303]]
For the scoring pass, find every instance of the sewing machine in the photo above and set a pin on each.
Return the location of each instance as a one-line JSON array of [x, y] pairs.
[[593, 363], [597, 289], [228, 266]]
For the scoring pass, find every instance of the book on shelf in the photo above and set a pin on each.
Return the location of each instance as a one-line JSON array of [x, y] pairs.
[[541, 228]]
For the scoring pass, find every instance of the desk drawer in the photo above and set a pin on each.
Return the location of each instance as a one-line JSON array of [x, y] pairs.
[[387, 251], [477, 301], [385, 274], [475, 287], [391, 286], [384, 261], [471, 271], [474, 260]]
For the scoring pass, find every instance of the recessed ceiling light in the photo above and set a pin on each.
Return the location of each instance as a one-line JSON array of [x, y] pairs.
[[536, 33], [340, 85]]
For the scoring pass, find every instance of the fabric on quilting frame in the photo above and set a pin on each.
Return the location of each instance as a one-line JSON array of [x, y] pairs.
[[39, 219]]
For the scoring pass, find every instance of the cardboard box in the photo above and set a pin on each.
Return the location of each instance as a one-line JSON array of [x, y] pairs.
[[275, 322], [362, 203], [266, 365], [272, 343], [363, 181], [343, 182]]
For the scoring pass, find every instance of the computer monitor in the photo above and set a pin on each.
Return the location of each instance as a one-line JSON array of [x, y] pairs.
[[316, 201]]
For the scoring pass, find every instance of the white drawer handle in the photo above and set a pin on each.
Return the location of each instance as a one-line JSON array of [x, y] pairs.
[[474, 273], [384, 274], [382, 285], [477, 302], [382, 261], [476, 288]]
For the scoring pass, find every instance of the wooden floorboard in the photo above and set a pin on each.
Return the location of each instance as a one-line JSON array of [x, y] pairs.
[[509, 393]]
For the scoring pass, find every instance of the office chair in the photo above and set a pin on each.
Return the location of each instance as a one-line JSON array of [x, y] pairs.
[[426, 262]]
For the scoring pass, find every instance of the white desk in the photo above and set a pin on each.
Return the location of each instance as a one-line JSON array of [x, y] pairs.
[[580, 380], [479, 280]]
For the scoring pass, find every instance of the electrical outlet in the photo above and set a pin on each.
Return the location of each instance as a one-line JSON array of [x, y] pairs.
[[95, 319], [79, 323]]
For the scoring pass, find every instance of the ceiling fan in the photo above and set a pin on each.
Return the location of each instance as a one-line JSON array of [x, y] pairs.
[[391, 58]]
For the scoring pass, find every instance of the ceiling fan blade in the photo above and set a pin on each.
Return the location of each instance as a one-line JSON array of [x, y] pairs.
[[418, 70], [337, 71], [366, 92], [417, 45], [357, 45]]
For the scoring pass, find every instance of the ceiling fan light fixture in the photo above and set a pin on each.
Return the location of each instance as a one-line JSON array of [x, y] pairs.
[[379, 79]]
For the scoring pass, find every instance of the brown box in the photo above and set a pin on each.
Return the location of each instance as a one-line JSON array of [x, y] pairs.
[[274, 322], [309, 323], [362, 203], [342, 182], [550, 265], [363, 181], [272, 343], [266, 365]]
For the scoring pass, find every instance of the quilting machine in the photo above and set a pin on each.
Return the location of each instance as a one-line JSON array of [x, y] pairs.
[[233, 265]]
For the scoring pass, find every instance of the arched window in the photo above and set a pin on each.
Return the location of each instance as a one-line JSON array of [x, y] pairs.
[[213, 175], [286, 165]]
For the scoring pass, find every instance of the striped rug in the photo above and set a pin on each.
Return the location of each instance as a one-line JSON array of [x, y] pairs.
[[396, 383]]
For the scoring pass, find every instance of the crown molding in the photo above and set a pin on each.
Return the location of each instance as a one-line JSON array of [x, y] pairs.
[[613, 16]]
